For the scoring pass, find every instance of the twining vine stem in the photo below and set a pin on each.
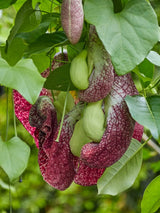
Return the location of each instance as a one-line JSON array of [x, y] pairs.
[[7, 113], [151, 143], [10, 198]]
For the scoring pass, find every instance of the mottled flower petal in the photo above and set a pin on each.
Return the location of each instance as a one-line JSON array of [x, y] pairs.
[[102, 77], [72, 17], [22, 108], [138, 132], [120, 126], [60, 167], [87, 176], [59, 170], [43, 116]]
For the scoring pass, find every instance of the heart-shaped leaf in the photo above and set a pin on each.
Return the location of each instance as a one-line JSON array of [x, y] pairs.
[[151, 198], [127, 36], [146, 111], [23, 77], [121, 175], [14, 155]]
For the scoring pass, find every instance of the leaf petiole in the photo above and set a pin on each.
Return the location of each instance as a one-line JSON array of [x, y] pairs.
[[117, 6]]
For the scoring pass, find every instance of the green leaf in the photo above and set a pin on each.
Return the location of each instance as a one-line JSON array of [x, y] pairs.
[[14, 52], [60, 1], [46, 42], [74, 50], [6, 3], [44, 5], [19, 4], [121, 175], [146, 111], [151, 198], [25, 21], [60, 79], [154, 58], [145, 72], [127, 36], [14, 155], [23, 77], [42, 61], [31, 36]]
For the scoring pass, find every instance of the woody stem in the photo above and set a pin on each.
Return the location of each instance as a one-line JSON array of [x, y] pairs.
[[151, 143]]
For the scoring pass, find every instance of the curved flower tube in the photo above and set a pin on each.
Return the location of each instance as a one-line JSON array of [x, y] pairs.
[[58, 164], [59, 167], [120, 127], [102, 76]]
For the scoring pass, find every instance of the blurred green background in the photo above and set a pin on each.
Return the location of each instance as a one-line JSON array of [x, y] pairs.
[[30, 194]]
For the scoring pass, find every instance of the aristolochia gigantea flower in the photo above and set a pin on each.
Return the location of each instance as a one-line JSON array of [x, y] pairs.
[[58, 165]]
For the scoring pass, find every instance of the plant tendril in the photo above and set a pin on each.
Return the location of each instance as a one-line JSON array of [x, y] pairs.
[[7, 114], [63, 114]]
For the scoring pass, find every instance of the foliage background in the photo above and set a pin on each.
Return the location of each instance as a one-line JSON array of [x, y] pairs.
[[30, 194]]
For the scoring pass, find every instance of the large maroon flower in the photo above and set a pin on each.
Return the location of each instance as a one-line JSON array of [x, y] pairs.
[[59, 167]]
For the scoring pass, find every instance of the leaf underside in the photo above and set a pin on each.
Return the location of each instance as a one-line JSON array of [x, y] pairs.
[[121, 175]]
